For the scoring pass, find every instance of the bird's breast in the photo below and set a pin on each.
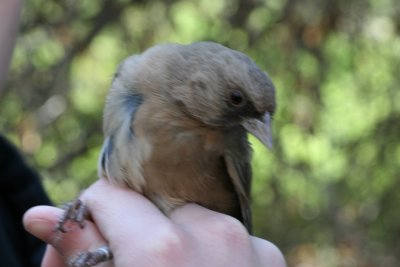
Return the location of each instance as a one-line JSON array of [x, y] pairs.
[[185, 163]]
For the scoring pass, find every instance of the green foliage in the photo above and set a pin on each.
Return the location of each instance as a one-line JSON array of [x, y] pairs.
[[326, 194]]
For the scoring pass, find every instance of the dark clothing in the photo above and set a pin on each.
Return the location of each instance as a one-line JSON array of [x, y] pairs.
[[20, 189]]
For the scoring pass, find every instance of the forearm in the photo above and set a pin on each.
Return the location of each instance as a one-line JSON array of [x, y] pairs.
[[9, 14]]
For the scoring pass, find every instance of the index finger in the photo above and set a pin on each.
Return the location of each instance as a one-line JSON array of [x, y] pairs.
[[123, 215]]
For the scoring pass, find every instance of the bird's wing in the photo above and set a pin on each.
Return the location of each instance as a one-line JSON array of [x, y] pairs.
[[239, 169], [120, 158]]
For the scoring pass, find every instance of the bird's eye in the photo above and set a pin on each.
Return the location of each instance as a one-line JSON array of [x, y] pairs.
[[236, 98]]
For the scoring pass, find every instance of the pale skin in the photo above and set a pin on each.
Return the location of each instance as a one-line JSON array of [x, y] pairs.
[[140, 235]]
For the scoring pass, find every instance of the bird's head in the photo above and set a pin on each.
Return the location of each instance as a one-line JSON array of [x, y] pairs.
[[225, 88], [216, 85]]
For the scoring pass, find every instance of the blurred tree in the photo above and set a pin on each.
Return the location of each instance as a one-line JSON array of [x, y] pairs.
[[327, 194]]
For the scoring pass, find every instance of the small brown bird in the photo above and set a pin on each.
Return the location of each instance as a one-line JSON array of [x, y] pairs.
[[176, 122]]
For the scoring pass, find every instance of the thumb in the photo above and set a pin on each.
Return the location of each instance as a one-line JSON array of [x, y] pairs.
[[41, 221]]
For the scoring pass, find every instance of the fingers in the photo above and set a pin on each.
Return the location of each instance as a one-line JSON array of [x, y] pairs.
[[206, 222], [216, 234], [113, 208], [139, 233], [128, 220], [268, 252], [219, 232], [41, 221], [52, 258]]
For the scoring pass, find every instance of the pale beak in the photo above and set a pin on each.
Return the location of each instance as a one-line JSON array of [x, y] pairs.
[[260, 128]]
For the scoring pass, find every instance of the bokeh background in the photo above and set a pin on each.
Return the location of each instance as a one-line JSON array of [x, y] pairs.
[[328, 194]]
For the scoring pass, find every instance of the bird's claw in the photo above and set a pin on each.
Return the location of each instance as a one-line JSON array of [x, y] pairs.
[[91, 258], [75, 211]]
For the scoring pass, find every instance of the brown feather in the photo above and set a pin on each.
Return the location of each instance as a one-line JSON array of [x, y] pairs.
[[173, 134]]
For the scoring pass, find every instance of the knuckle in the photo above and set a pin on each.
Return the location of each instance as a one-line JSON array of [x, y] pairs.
[[167, 244], [228, 228]]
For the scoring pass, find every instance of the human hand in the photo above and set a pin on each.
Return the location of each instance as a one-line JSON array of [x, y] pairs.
[[140, 235]]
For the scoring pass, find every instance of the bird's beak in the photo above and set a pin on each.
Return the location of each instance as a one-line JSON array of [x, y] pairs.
[[260, 128]]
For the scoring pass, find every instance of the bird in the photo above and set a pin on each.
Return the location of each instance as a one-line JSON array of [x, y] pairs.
[[175, 123]]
